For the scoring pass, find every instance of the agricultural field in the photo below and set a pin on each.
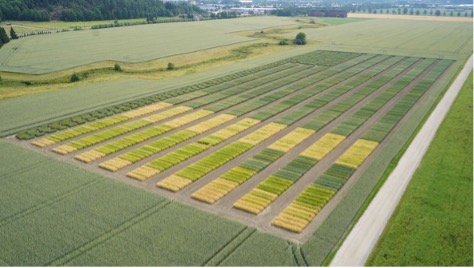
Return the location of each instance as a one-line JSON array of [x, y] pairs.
[[268, 146], [438, 39], [71, 49], [260, 162]]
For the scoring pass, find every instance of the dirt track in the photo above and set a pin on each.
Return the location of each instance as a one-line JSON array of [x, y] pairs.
[[358, 245]]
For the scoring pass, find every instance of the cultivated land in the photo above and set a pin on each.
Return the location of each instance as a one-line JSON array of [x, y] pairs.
[[241, 125], [33, 55], [409, 17], [253, 126], [441, 186]]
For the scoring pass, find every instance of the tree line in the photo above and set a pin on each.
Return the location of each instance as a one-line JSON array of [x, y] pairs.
[[88, 10]]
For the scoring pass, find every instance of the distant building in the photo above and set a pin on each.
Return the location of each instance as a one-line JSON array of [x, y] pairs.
[[337, 13]]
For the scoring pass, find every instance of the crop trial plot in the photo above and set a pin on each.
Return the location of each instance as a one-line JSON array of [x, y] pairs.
[[269, 146]]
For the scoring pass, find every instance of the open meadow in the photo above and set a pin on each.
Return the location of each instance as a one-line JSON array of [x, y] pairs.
[[266, 161]]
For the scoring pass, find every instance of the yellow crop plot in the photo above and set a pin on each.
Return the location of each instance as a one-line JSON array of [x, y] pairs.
[[323, 146], [214, 191], [96, 125], [292, 139], [89, 156], [143, 173], [183, 120], [114, 164], [236, 128], [64, 149], [211, 123], [147, 109], [174, 183], [357, 153], [169, 113], [262, 133]]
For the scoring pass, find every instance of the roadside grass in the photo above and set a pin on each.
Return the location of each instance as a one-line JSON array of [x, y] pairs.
[[432, 226]]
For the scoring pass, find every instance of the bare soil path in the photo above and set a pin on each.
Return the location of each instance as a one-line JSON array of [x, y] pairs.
[[363, 237]]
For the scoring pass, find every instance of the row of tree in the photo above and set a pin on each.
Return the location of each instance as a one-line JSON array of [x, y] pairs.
[[87, 10], [411, 11]]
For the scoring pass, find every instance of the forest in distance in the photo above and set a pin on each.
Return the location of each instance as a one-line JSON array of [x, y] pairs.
[[88, 10]]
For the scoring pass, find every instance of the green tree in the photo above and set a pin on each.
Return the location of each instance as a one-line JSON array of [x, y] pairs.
[[117, 68], [437, 12], [3, 36], [74, 78], [170, 66], [13, 34], [300, 39]]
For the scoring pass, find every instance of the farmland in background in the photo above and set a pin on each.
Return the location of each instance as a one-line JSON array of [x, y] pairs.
[[59, 201], [126, 44], [399, 37], [441, 186]]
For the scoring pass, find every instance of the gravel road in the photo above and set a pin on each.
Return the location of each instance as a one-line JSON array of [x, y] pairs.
[[359, 243]]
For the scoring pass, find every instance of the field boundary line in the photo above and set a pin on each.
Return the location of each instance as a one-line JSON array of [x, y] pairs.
[[6, 176], [104, 237], [298, 255], [46, 203], [228, 248], [359, 243]]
